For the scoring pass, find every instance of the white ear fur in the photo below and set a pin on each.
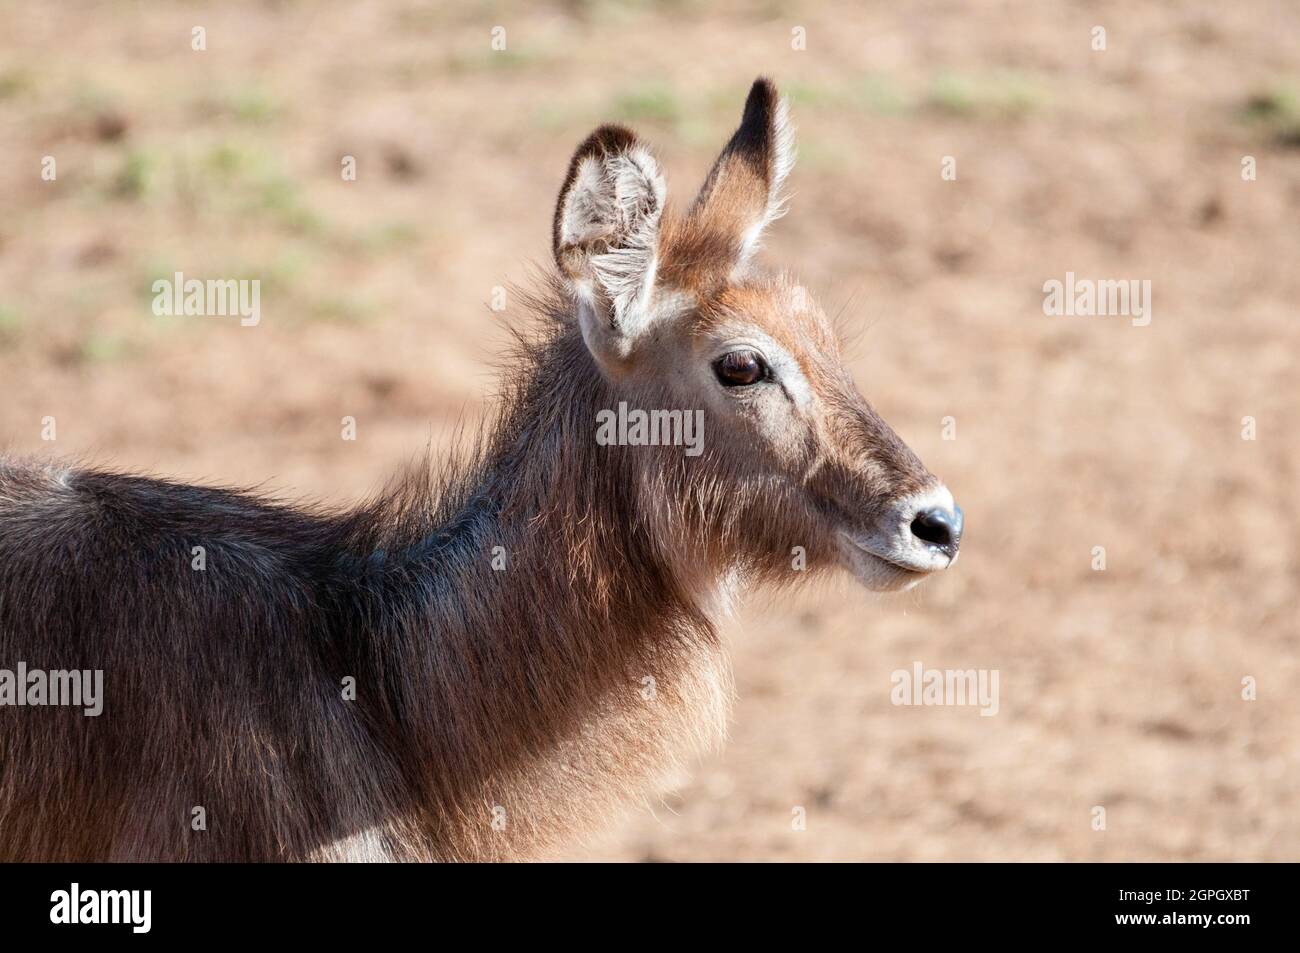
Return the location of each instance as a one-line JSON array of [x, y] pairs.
[[606, 239]]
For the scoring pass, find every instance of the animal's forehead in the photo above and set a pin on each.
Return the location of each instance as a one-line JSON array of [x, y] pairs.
[[781, 307]]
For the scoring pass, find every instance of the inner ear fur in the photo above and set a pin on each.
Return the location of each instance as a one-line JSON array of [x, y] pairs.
[[571, 242]]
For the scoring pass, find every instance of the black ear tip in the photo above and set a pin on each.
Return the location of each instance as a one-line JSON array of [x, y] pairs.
[[607, 140], [761, 101]]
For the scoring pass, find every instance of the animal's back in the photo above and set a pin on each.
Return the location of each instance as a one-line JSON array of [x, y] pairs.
[[210, 614]]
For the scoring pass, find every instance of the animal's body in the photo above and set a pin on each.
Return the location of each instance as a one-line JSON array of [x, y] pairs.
[[482, 664]]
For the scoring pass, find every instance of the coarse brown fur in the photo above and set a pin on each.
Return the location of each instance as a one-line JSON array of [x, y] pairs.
[[532, 633]]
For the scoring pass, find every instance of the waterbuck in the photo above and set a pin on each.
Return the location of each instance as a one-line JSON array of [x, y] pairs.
[[485, 660]]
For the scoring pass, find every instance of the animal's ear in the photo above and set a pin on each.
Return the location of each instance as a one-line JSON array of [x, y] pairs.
[[742, 194], [606, 238]]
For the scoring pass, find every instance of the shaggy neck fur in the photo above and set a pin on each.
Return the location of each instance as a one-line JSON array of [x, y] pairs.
[[529, 700]]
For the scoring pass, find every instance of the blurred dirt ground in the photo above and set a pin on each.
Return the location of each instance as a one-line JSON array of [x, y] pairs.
[[1119, 688]]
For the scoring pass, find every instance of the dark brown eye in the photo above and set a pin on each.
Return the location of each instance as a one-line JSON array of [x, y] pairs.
[[739, 369]]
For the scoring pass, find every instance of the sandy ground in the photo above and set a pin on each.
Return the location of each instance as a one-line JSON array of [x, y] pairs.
[[1119, 688]]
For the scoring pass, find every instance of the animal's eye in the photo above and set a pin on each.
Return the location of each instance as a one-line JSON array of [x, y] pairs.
[[740, 369]]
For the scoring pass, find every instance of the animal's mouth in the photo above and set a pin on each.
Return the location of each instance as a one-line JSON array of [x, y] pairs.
[[878, 572], [922, 559], [868, 550]]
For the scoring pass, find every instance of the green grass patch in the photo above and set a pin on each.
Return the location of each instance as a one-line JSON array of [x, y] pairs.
[[104, 348], [1276, 111], [14, 82], [137, 177], [226, 179], [250, 104], [11, 325], [1002, 95], [652, 103], [870, 92]]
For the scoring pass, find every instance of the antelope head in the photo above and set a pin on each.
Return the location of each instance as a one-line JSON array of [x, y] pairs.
[[676, 313]]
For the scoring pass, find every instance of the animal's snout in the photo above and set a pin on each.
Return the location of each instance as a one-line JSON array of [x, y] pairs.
[[939, 527], [920, 533]]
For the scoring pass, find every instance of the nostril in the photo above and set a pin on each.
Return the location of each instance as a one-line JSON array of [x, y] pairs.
[[937, 526]]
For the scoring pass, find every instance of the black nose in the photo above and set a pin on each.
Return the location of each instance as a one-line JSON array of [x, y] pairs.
[[939, 527]]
